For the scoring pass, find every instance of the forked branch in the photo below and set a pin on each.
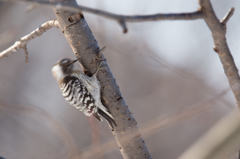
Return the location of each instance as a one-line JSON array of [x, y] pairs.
[[227, 16], [218, 29], [121, 19]]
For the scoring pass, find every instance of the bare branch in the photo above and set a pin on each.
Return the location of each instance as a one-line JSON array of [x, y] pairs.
[[123, 25], [228, 16], [26, 53], [121, 19], [219, 142], [22, 44], [218, 32]]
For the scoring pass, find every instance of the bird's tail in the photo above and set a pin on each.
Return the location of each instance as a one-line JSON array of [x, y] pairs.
[[109, 119], [96, 115]]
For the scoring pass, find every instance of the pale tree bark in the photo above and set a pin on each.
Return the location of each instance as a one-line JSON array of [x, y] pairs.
[[218, 29], [86, 48]]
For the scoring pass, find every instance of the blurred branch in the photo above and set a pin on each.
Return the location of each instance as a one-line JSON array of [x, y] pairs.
[[218, 30], [156, 125], [34, 114], [219, 142], [121, 19], [22, 44], [94, 134]]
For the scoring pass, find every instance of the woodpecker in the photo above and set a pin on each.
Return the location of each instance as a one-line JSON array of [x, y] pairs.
[[80, 90]]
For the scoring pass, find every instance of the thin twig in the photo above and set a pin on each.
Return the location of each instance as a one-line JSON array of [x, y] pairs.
[[121, 19], [22, 44], [228, 16], [102, 49], [24, 47], [122, 23]]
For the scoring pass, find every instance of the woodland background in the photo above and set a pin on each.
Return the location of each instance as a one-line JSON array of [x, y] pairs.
[[164, 69]]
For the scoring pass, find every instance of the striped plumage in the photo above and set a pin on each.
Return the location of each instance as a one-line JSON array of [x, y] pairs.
[[80, 90]]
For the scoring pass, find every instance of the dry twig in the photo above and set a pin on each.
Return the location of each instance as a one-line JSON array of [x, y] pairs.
[[22, 43], [228, 16], [121, 19], [218, 30]]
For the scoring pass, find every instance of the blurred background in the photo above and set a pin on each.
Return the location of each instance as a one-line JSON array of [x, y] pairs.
[[167, 71]]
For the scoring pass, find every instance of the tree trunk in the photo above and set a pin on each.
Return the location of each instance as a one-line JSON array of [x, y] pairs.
[[86, 48]]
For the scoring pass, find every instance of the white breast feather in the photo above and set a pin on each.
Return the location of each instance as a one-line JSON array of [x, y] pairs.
[[57, 72]]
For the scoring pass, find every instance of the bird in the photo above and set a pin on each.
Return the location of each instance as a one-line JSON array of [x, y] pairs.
[[80, 90]]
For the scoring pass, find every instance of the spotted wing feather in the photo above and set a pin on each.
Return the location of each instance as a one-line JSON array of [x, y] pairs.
[[77, 95]]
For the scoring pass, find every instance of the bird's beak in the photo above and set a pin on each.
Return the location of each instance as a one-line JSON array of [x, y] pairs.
[[73, 61]]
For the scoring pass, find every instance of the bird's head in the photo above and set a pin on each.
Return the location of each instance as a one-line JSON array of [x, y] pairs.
[[63, 68]]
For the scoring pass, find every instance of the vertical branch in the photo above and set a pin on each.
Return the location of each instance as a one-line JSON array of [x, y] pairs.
[[218, 30], [86, 48]]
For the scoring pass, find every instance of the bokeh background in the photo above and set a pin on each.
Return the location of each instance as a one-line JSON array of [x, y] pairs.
[[167, 72]]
